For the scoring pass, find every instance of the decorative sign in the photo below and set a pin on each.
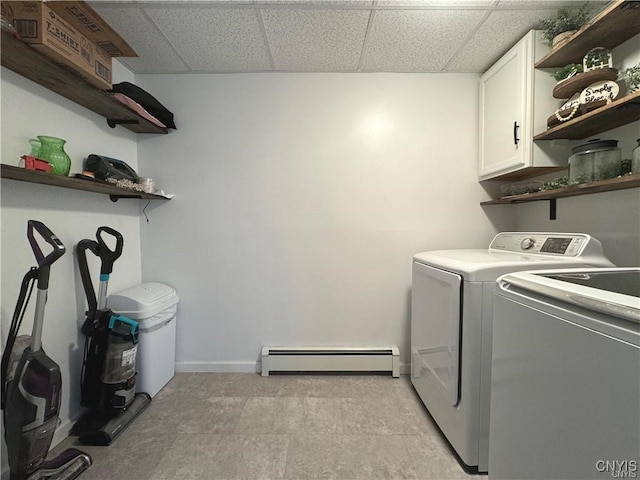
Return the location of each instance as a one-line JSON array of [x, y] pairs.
[[571, 103], [600, 91], [568, 110], [580, 103], [598, 57]]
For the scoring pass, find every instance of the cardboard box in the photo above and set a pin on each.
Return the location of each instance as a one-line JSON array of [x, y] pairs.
[[51, 35], [90, 24]]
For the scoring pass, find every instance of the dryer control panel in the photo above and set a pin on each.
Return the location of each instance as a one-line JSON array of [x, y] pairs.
[[562, 244]]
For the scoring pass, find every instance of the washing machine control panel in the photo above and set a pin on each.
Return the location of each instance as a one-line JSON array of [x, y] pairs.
[[563, 244], [556, 245]]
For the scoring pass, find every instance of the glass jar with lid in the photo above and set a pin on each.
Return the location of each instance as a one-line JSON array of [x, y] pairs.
[[595, 160]]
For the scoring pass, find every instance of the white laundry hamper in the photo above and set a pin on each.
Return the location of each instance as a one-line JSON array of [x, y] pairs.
[[154, 306]]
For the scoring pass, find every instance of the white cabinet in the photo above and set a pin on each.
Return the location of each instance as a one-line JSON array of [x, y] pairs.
[[515, 102]]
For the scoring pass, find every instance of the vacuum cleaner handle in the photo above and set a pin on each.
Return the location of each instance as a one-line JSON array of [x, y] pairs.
[[44, 262], [108, 256], [85, 275]]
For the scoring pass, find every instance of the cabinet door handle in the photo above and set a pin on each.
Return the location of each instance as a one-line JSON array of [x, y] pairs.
[[515, 133]]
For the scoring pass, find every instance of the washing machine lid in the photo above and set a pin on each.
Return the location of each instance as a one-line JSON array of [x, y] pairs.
[[516, 251], [612, 291]]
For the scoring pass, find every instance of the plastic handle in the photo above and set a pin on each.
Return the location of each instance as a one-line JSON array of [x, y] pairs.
[[108, 256], [49, 237], [85, 275], [133, 325], [44, 262]]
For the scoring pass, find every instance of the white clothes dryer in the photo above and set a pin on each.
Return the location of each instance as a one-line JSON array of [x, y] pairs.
[[451, 326]]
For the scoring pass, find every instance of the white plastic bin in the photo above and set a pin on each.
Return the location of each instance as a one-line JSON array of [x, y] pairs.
[[154, 306]]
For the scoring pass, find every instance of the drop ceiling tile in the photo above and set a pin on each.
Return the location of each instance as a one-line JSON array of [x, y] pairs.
[[498, 33], [537, 4], [263, 2], [417, 40], [315, 3], [315, 40], [195, 3], [95, 4], [436, 3], [154, 52], [215, 39], [323, 35]]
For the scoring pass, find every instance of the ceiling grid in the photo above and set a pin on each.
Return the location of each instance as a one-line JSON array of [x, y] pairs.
[[244, 36]]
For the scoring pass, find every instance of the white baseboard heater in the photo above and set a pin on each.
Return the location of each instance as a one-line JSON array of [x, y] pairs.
[[331, 359]]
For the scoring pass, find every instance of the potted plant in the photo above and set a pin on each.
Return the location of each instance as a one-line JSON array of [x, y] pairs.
[[567, 71], [632, 78], [564, 25]]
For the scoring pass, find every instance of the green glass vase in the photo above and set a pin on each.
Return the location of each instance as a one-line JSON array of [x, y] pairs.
[[35, 147], [52, 150]]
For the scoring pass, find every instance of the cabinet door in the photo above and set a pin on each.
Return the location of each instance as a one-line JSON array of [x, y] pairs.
[[504, 90]]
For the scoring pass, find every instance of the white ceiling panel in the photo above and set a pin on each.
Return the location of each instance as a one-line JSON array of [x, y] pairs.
[[216, 40], [155, 53], [552, 4], [228, 3], [315, 3], [220, 36], [494, 37], [449, 4], [417, 40], [315, 40]]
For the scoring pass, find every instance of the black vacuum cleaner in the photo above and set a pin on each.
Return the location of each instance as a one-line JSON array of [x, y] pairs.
[[108, 370], [31, 381]]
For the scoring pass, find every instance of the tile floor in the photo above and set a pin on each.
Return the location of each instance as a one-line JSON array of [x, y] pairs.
[[219, 426]]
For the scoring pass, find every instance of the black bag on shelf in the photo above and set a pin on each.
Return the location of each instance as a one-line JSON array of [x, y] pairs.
[[147, 101]]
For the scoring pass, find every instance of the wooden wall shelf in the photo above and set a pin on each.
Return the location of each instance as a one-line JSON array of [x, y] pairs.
[[614, 25], [24, 60], [95, 186], [612, 184], [619, 112]]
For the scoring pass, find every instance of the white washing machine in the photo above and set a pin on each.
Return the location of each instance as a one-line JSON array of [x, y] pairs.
[[565, 398], [451, 322]]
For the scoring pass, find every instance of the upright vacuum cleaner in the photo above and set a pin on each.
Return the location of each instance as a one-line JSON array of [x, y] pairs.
[[31, 381], [108, 370]]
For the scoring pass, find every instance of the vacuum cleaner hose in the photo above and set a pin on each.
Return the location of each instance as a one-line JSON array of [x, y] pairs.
[[16, 321]]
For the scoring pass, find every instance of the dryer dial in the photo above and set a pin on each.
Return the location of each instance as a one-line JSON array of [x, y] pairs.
[[527, 243]]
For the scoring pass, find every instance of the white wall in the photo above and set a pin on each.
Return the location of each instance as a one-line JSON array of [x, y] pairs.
[[300, 200], [29, 110]]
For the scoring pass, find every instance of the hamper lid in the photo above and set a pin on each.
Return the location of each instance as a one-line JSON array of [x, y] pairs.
[[143, 301]]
